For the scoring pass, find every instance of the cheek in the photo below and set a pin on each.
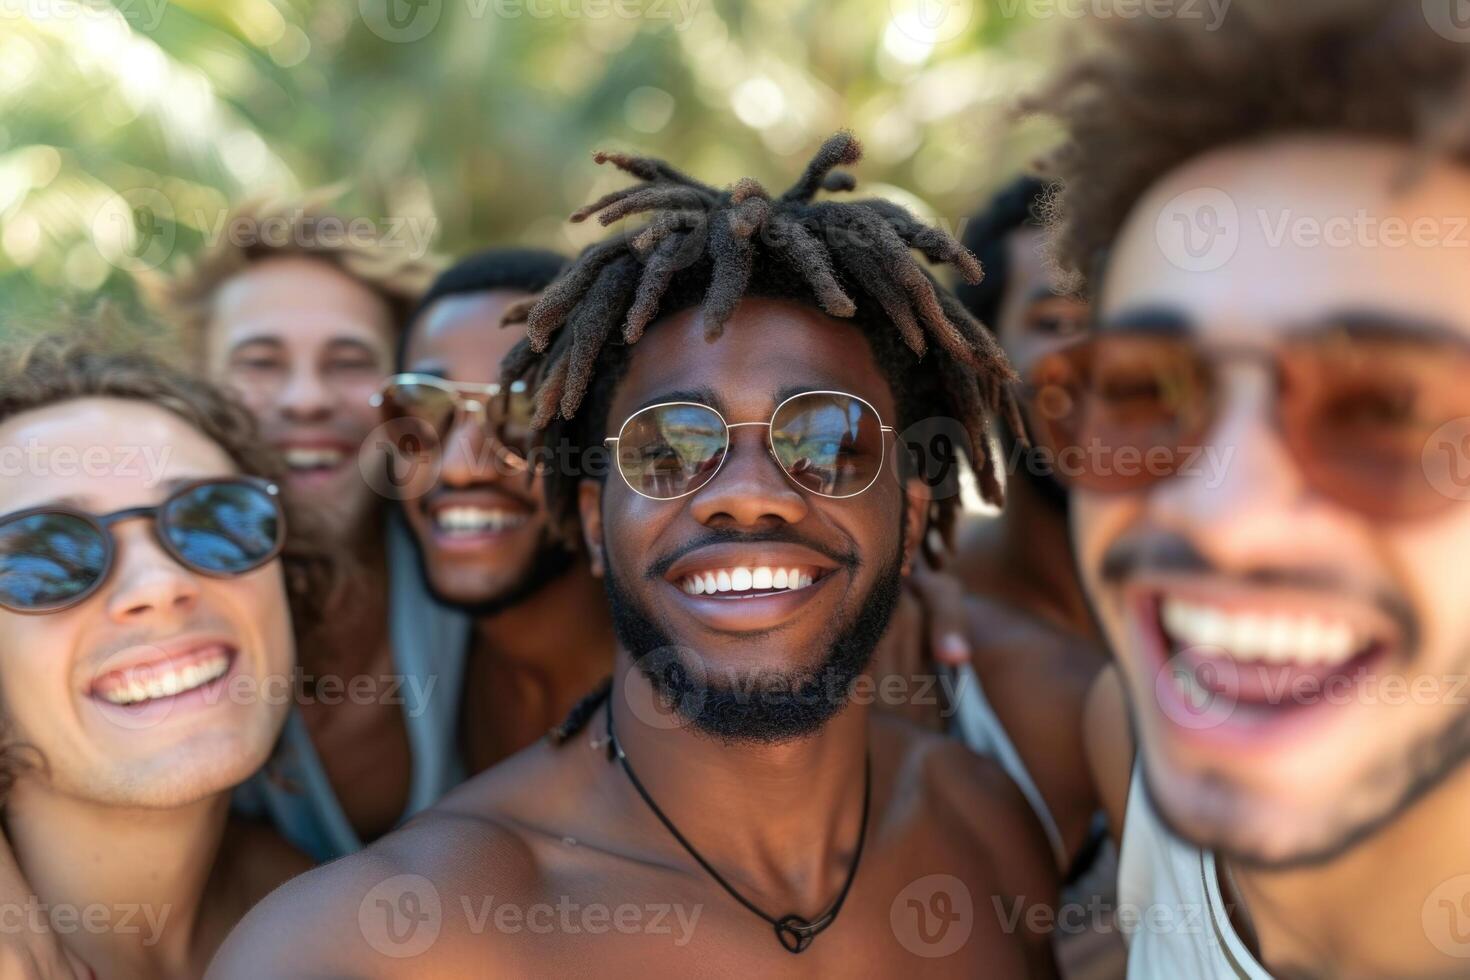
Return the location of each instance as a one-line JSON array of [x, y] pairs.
[[255, 390], [1097, 522], [1429, 559], [258, 606], [35, 672], [355, 403]]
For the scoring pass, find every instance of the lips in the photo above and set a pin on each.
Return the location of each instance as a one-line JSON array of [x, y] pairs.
[[1231, 661], [310, 457], [151, 674], [747, 588], [467, 518]]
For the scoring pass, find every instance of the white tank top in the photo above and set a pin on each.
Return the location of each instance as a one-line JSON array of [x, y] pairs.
[[1170, 906]]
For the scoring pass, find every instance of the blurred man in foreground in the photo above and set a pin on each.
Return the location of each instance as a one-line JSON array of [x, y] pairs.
[[1273, 217]]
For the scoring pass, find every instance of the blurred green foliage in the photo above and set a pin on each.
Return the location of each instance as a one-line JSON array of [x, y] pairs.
[[128, 127]]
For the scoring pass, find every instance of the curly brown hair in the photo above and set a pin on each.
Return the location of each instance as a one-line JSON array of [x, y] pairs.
[[1150, 93]]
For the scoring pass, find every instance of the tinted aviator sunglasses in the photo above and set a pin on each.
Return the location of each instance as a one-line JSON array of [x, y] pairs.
[[829, 443], [54, 557], [434, 405], [1358, 412]]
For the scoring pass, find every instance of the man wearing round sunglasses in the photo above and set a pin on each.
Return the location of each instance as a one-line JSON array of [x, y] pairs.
[[752, 517], [1271, 520], [466, 466], [145, 635]]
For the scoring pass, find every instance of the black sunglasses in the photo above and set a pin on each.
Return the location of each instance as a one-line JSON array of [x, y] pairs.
[[53, 557]]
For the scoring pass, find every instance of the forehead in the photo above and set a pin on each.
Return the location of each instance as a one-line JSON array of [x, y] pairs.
[[461, 336], [767, 346], [300, 302], [102, 454], [1257, 237]]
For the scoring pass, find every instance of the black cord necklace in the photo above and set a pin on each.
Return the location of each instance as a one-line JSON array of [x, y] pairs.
[[794, 932]]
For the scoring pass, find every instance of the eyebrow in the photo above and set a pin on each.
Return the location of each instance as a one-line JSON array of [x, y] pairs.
[[1371, 324], [701, 396]]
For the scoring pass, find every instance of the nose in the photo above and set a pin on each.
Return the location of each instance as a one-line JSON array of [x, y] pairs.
[[147, 584], [750, 491], [305, 397], [1243, 502], [468, 456]]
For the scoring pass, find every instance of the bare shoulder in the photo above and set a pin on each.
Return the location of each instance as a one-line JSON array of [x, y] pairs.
[[969, 796], [396, 902]]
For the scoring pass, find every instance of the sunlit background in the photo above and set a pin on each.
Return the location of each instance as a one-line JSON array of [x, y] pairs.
[[128, 127]]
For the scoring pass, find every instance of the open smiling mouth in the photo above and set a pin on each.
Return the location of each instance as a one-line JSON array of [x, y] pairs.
[[742, 582], [1258, 663], [165, 678]]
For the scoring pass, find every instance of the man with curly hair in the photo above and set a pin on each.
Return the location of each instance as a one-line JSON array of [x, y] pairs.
[[1272, 219], [146, 602], [729, 378]]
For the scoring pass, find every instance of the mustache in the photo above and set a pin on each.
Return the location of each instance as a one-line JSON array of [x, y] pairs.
[[846, 559], [1163, 553]]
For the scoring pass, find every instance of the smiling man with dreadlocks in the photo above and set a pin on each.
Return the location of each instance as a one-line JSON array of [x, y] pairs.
[[740, 365]]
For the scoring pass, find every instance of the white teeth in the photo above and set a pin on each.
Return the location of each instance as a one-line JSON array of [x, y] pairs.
[[745, 578], [163, 682], [472, 520], [1264, 637], [302, 458]]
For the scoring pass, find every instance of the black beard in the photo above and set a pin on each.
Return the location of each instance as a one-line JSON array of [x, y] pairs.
[[766, 707]]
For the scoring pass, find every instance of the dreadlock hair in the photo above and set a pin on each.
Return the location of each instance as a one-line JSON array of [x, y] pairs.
[[1157, 91], [1016, 206], [527, 270], [707, 247]]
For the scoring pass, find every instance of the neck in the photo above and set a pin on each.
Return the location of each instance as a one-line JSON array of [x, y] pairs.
[[779, 822], [1026, 560], [562, 630], [144, 871], [532, 663], [1378, 909]]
